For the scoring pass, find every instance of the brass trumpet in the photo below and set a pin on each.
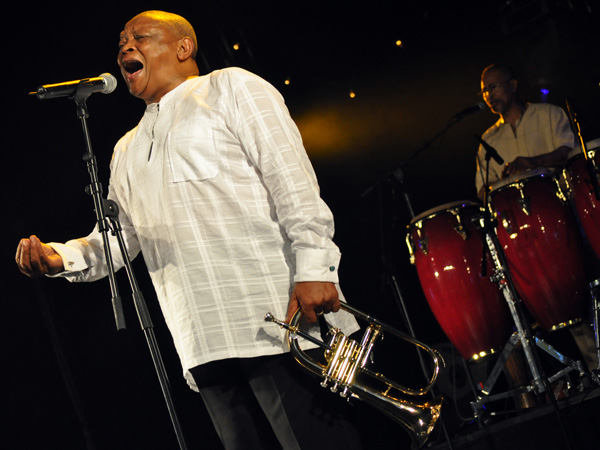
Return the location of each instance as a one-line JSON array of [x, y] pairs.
[[347, 359]]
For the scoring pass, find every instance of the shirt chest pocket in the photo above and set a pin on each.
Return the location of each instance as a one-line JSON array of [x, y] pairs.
[[192, 152]]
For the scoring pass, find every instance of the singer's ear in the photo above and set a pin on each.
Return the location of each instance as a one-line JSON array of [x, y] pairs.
[[513, 84], [185, 49]]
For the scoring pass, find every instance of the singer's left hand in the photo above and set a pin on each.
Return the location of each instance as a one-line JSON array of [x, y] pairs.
[[315, 298]]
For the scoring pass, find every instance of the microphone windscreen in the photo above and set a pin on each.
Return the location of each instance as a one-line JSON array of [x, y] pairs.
[[110, 83]]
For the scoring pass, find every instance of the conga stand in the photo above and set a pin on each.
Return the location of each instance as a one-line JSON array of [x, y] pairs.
[[595, 291], [105, 210], [593, 173], [540, 382]]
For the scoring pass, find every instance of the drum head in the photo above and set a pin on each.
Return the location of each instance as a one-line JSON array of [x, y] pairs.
[[430, 213], [523, 176], [590, 146]]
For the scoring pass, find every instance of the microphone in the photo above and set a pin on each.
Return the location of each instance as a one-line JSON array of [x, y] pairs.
[[470, 110], [105, 83], [491, 151]]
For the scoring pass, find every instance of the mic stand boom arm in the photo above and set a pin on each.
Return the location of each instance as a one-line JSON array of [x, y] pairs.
[[593, 171], [396, 176], [106, 215], [398, 173]]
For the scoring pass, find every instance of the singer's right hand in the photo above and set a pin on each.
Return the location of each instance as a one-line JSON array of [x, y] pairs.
[[35, 258]]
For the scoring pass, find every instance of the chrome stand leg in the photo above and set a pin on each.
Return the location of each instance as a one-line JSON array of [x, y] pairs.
[[540, 382], [595, 292]]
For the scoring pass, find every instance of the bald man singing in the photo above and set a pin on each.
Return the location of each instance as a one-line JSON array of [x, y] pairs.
[[216, 190]]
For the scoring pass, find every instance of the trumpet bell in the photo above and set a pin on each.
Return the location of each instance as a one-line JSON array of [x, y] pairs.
[[419, 418]]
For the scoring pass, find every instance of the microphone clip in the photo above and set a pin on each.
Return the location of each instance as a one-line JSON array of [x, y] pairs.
[[491, 152]]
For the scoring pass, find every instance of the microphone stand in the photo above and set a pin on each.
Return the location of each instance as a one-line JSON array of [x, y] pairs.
[[593, 171], [94, 189], [501, 276], [396, 176], [107, 211]]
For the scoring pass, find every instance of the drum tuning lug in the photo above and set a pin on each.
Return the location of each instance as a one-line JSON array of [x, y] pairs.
[[525, 204], [411, 247], [461, 232], [506, 222], [559, 191], [424, 245], [459, 228]]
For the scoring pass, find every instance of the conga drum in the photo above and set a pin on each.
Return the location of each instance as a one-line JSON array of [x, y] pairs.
[[543, 248], [580, 182], [447, 249]]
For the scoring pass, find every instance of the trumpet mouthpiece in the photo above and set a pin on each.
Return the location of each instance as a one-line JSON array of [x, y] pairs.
[[270, 318]]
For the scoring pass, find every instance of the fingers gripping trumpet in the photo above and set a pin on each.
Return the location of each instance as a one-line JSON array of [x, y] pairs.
[[346, 359]]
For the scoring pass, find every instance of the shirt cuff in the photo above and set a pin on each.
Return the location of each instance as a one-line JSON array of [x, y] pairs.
[[317, 265], [73, 260]]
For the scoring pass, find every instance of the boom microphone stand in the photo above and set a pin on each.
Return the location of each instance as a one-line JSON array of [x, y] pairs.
[[396, 177], [107, 220], [593, 171]]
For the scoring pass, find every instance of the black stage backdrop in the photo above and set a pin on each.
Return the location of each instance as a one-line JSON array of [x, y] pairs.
[[69, 379]]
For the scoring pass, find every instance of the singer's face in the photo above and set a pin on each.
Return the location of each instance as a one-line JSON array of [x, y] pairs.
[[148, 58], [498, 92]]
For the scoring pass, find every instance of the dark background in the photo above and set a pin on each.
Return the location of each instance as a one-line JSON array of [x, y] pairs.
[[69, 379]]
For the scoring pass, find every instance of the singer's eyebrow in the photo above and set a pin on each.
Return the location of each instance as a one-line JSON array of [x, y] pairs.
[[123, 35]]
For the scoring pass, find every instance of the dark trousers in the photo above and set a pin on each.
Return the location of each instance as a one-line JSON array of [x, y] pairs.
[[270, 402]]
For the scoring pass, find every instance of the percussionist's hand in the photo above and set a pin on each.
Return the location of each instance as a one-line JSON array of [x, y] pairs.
[[315, 298], [35, 258], [520, 164]]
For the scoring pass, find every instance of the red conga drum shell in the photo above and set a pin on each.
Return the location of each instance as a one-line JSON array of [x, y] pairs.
[[582, 194], [542, 245], [447, 250]]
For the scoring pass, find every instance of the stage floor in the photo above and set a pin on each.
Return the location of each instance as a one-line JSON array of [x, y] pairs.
[[574, 425]]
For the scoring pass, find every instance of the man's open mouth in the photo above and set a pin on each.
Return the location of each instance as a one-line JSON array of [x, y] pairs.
[[132, 66]]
